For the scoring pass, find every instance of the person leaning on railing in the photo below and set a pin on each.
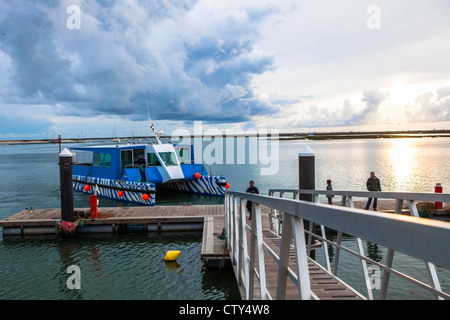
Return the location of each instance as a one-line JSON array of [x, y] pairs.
[[373, 184]]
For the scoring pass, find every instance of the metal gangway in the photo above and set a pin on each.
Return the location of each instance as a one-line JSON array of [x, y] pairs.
[[420, 238]]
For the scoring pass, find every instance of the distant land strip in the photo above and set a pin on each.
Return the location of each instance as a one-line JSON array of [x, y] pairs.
[[281, 136]]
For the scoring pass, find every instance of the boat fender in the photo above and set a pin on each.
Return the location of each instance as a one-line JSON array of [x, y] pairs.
[[67, 227]]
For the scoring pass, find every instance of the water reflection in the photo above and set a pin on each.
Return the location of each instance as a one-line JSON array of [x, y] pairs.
[[173, 266], [402, 164], [374, 251]]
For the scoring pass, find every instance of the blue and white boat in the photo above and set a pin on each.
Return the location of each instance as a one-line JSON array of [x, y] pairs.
[[114, 173]]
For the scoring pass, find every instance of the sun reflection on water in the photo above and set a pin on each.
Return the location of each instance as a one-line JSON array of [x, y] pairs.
[[402, 162]]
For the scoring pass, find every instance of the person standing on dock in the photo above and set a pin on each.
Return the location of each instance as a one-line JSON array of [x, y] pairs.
[[373, 184], [141, 162], [329, 187], [251, 189]]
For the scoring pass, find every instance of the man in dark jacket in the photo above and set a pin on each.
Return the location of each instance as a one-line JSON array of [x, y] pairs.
[[251, 189], [373, 184], [141, 165]]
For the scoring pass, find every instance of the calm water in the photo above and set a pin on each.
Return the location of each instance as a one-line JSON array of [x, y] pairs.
[[130, 266]]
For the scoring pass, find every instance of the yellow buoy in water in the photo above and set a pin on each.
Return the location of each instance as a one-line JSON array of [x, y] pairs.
[[172, 255]]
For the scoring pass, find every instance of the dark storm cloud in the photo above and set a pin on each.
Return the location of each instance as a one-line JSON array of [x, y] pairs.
[[186, 59]]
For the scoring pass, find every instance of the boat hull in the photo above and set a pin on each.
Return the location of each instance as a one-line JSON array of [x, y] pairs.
[[131, 191], [207, 185]]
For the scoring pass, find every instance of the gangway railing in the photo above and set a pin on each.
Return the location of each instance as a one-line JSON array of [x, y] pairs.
[[411, 198], [395, 232]]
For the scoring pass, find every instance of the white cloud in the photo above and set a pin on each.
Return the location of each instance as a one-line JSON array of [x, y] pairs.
[[430, 106]]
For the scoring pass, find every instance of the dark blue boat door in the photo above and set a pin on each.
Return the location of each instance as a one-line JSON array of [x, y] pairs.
[[126, 160]]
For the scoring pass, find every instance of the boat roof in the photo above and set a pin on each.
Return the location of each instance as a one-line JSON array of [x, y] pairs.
[[97, 148], [110, 146]]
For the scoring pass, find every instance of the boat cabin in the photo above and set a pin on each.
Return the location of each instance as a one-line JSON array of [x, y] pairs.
[[164, 162]]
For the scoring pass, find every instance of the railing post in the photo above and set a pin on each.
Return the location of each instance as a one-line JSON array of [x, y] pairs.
[[304, 285], [225, 202], [286, 238], [243, 237], [398, 206], [386, 274], [389, 257], [271, 214], [252, 257], [364, 269], [229, 219], [256, 246], [337, 252], [363, 262], [325, 248], [261, 263], [236, 234]]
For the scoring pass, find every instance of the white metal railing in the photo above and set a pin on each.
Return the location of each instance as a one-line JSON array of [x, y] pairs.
[[395, 232]]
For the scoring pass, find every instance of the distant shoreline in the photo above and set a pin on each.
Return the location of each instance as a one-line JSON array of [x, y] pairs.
[[281, 136]]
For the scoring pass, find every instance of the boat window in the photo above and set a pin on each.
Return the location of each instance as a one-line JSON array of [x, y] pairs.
[[107, 162], [98, 159], [102, 160], [152, 160], [169, 158], [183, 155], [137, 153]]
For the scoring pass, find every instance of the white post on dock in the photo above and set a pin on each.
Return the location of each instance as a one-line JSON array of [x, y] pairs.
[[66, 185]]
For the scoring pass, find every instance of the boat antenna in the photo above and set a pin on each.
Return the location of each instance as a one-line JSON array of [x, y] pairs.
[[152, 127], [148, 113]]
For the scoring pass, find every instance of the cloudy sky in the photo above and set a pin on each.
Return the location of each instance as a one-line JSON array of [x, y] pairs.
[[91, 67]]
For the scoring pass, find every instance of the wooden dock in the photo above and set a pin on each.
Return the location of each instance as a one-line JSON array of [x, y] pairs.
[[113, 219], [208, 218]]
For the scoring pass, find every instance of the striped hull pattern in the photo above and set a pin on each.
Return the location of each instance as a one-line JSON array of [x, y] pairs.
[[207, 185], [109, 189]]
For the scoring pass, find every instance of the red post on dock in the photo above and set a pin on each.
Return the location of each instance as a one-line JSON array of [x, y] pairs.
[[438, 189], [93, 199]]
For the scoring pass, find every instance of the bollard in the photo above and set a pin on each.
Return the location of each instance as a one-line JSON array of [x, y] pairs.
[[306, 172], [307, 181], [66, 185], [93, 201], [438, 189]]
